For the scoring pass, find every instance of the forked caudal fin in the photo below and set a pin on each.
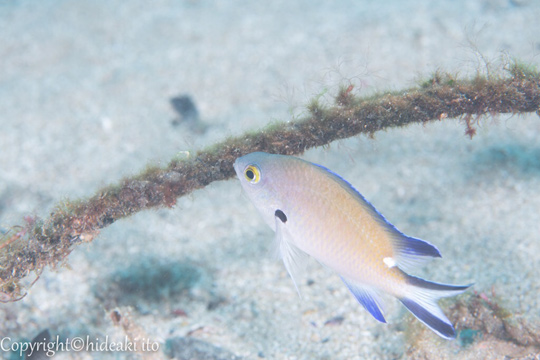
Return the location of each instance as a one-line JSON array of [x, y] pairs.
[[422, 302]]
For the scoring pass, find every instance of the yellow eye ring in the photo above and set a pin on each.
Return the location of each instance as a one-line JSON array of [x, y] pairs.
[[252, 174]]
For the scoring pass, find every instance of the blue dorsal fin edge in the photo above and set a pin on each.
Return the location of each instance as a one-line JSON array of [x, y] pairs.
[[410, 252], [407, 248], [412, 246], [367, 298]]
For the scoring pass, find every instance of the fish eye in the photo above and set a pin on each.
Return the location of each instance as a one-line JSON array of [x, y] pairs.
[[252, 174]]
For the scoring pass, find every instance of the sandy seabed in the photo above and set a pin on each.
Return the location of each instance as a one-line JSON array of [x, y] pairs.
[[84, 100]]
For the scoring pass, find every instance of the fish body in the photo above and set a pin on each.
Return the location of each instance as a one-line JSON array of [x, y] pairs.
[[317, 213]]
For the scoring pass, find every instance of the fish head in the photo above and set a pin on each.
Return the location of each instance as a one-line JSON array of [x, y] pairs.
[[260, 175]]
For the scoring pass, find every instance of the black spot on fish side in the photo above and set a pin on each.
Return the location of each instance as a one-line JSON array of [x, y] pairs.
[[281, 215]]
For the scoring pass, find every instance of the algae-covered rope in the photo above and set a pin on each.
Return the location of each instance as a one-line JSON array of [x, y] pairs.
[[38, 243]]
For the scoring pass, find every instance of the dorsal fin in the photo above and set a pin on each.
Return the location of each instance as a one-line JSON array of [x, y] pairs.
[[408, 251]]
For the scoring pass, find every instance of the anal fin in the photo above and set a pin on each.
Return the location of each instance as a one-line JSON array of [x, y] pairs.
[[368, 298]]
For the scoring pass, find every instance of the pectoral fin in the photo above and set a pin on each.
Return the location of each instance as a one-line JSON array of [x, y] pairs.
[[293, 258]]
